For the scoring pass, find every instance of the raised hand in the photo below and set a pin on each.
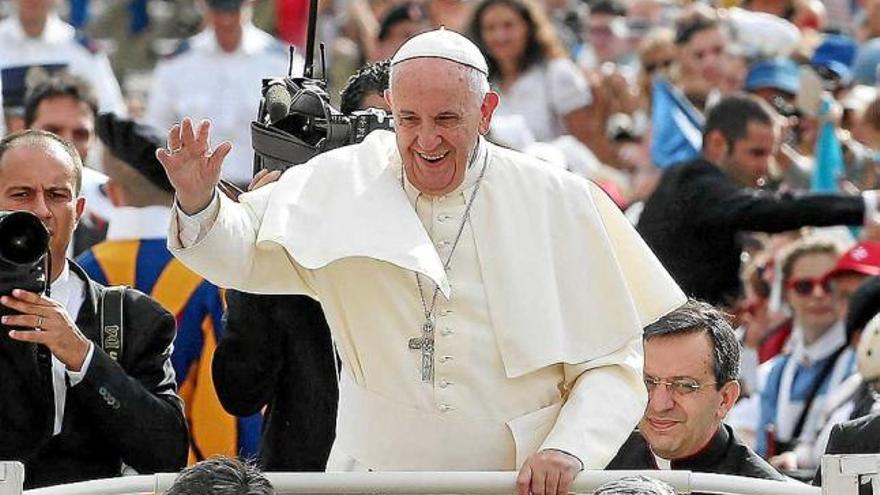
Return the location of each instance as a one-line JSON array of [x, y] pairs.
[[192, 167]]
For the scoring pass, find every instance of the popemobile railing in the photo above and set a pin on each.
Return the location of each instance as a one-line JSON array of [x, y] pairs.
[[842, 476]]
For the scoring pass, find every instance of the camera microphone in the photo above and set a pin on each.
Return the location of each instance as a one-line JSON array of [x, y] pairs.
[[278, 101]]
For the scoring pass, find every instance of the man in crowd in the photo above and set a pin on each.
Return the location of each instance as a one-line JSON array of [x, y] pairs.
[[98, 399], [691, 369], [135, 255], [696, 217], [217, 75], [66, 106], [460, 381], [35, 40]]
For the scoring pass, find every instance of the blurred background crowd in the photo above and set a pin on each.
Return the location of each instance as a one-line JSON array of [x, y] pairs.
[[623, 92]]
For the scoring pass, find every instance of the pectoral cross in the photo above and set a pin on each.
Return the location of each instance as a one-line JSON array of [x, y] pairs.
[[425, 343]]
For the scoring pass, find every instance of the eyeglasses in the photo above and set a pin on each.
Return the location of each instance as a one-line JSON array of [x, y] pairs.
[[807, 286], [679, 387]]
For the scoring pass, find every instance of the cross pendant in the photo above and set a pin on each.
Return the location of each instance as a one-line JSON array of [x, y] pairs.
[[425, 343]]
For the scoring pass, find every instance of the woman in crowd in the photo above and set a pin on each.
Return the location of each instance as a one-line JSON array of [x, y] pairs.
[[796, 383], [528, 66]]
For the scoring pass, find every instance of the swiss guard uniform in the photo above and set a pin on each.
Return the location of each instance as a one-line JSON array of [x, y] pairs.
[[135, 254]]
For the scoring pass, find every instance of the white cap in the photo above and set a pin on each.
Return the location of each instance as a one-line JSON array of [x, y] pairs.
[[442, 43], [868, 350]]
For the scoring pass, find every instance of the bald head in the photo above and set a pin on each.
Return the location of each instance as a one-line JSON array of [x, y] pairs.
[[50, 144]]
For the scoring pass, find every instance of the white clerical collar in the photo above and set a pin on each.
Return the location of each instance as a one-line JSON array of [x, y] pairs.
[[149, 222], [823, 347], [663, 464], [470, 177]]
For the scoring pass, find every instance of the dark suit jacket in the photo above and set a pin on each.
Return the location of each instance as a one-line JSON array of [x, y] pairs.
[[277, 352], [695, 217], [858, 436], [126, 412], [725, 454]]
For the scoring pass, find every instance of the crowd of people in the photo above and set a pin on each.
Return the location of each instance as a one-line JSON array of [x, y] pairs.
[[452, 295]]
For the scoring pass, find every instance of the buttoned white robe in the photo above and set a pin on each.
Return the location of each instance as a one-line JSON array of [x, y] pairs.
[[538, 340]]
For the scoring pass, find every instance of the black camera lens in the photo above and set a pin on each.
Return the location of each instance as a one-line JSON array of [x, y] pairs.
[[23, 238]]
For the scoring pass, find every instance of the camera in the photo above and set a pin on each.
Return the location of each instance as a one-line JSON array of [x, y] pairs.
[[295, 120], [24, 254]]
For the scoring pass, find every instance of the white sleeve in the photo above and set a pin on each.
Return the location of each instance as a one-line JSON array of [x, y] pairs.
[[77, 376], [586, 427], [568, 88], [194, 228], [228, 254]]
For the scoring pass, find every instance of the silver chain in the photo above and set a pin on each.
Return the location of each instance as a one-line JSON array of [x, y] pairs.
[[429, 312]]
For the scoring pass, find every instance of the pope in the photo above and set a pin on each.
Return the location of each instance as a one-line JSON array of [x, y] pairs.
[[487, 308]]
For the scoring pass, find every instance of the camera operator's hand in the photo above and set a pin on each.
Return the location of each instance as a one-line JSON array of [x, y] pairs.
[[192, 168], [264, 177], [53, 327]]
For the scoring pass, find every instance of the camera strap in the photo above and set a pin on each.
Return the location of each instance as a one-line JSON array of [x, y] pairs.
[[111, 321]]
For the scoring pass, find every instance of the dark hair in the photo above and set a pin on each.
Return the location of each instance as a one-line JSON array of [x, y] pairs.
[[541, 42], [694, 22], [371, 78], [608, 7], [408, 11], [694, 317], [221, 476], [635, 485], [57, 86], [733, 114], [45, 140]]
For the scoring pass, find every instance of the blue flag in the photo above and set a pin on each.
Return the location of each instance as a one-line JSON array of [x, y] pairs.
[[829, 155], [677, 126]]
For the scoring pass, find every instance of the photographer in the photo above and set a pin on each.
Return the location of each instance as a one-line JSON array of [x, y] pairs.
[[73, 406]]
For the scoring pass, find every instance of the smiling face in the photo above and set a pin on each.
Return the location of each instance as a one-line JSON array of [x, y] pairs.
[[438, 118], [41, 179], [677, 426]]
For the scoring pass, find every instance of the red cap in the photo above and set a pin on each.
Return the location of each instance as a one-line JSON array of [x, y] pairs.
[[863, 258]]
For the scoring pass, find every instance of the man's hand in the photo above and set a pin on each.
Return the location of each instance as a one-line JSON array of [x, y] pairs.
[[52, 326], [548, 472], [263, 178], [192, 168], [786, 461]]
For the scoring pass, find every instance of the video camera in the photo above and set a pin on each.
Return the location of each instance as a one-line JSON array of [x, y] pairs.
[[24, 254], [296, 121]]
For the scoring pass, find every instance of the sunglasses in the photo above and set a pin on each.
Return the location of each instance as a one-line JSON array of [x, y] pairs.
[[807, 286]]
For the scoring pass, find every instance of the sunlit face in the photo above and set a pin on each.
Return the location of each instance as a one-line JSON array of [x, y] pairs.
[[504, 32], [70, 119], [438, 118], [703, 57], [749, 158], [43, 182], [677, 426], [817, 311]]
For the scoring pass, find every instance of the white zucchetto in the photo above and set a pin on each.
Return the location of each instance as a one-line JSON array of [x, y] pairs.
[[442, 43]]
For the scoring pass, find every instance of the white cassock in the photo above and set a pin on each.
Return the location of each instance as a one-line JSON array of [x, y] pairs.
[[538, 340]]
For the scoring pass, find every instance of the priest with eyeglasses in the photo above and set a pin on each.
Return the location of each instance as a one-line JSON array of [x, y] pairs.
[[487, 308], [692, 359]]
